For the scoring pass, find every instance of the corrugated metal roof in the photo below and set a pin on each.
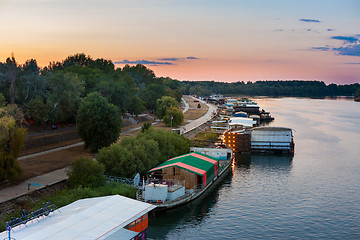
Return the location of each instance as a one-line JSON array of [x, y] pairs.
[[91, 218]]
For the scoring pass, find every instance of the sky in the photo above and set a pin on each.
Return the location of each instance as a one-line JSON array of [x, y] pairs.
[[207, 40]]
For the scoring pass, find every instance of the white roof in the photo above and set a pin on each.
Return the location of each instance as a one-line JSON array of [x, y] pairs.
[[91, 218], [246, 122]]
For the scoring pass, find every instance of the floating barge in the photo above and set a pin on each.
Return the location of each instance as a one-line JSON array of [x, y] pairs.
[[260, 139], [184, 178]]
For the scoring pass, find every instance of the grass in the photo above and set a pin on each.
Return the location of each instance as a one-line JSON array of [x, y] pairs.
[[67, 196]]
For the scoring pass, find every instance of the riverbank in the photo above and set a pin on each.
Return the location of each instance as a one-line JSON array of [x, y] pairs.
[[38, 162]]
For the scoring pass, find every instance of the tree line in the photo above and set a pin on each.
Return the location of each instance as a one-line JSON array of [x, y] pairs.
[[92, 93], [295, 88]]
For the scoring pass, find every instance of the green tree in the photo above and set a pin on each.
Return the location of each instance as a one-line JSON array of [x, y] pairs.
[[151, 94], [163, 104], [170, 144], [99, 122], [29, 83], [136, 105], [173, 117], [63, 95], [12, 136], [130, 156], [86, 172], [38, 110]]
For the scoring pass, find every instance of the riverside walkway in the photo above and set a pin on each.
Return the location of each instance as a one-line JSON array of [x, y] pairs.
[[59, 175]]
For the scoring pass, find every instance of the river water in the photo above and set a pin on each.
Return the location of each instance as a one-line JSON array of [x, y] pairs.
[[313, 195]]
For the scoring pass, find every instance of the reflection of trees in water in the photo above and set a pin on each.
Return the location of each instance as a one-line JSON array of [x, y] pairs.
[[188, 215]]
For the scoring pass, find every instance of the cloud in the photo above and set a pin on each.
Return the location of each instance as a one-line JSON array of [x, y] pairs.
[[279, 30], [348, 39], [353, 63], [309, 20], [350, 50], [330, 30], [192, 58], [321, 48], [144, 62], [159, 61], [169, 59]]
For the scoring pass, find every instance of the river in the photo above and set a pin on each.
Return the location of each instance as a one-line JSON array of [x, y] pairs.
[[313, 195]]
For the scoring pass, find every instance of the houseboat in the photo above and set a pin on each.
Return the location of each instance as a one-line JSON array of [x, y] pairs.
[[184, 178]]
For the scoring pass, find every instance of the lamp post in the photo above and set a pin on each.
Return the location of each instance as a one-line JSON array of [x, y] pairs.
[[171, 118]]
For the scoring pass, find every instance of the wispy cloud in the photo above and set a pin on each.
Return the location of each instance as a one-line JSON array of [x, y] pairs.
[[349, 39], [353, 63], [144, 62], [321, 48], [192, 58], [159, 61], [309, 20]]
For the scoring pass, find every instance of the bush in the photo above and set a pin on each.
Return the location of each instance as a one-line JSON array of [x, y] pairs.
[[86, 172]]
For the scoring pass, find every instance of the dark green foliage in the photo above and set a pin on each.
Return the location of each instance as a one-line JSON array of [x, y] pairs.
[[86, 172], [138, 155], [163, 104], [146, 126], [175, 93], [136, 105], [129, 157], [151, 94], [170, 144], [176, 115], [269, 88], [63, 97], [99, 122], [38, 110]]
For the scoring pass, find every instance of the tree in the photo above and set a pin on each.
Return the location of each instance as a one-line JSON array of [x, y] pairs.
[[29, 83], [170, 144], [163, 104], [64, 91], [151, 94], [136, 105], [99, 122], [86, 172], [38, 110], [12, 136], [12, 65], [173, 117], [129, 157]]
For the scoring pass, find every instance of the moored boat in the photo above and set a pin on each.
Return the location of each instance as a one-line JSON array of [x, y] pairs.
[[184, 178]]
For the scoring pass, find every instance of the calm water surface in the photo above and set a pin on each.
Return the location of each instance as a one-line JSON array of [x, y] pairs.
[[313, 195]]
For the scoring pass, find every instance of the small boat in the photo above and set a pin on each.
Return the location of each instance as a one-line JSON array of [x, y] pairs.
[[184, 178]]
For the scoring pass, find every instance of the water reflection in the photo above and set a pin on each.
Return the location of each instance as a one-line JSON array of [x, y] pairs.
[[191, 214], [265, 161]]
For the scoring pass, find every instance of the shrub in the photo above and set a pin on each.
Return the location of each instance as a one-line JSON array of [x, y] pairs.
[[86, 172]]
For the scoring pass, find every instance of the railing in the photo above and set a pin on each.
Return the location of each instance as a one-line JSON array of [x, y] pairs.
[[25, 216], [128, 181]]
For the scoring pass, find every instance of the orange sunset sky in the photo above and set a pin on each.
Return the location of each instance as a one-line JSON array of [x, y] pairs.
[[227, 40]]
